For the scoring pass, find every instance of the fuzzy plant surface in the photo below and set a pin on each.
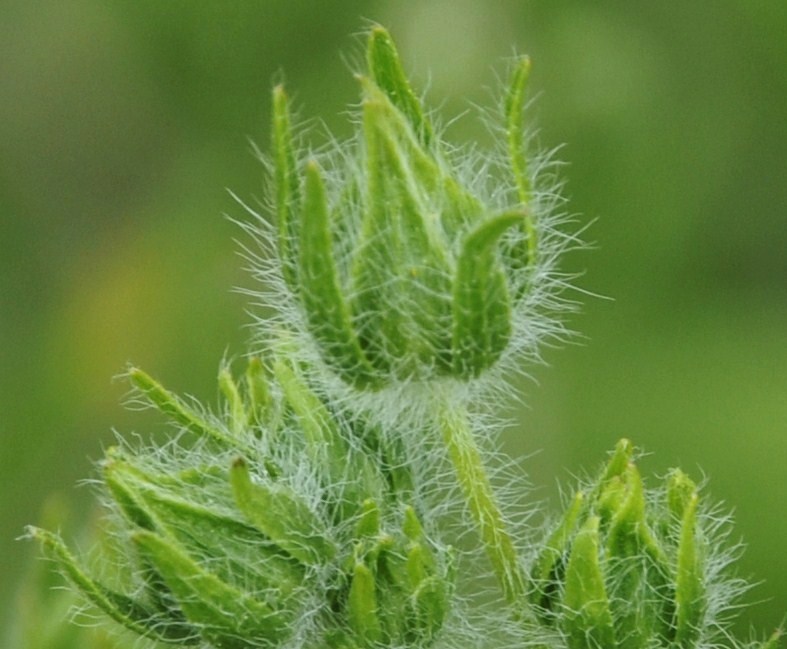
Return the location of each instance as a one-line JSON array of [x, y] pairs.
[[341, 496]]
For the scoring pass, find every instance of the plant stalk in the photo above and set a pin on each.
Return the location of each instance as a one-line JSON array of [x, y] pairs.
[[474, 482]]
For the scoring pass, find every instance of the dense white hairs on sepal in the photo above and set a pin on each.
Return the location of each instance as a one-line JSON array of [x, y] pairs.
[[538, 312]]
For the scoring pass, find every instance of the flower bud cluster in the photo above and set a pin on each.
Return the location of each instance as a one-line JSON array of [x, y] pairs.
[[278, 524], [629, 568], [404, 261]]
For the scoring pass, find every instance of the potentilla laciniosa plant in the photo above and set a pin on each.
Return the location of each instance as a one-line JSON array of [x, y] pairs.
[[318, 507]]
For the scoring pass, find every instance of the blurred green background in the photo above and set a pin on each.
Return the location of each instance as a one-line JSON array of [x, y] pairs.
[[123, 122]]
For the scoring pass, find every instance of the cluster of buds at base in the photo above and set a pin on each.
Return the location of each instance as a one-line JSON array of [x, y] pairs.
[[277, 524], [629, 569], [403, 265]]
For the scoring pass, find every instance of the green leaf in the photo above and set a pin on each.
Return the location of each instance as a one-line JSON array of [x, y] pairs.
[[226, 616], [481, 300], [282, 515], [386, 70], [324, 302], [587, 619], [287, 186], [125, 610]]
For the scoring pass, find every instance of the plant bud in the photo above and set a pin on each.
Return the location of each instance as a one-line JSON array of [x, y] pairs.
[[406, 262], [267, 524], [626, 568]]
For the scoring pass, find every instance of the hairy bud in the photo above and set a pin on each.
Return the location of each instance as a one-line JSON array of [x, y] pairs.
[[625, 567], [405, 261], [273, 521]]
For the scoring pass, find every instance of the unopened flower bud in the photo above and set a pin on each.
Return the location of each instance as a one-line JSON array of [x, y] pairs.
[[267, 524], [625, 567], [406, 262]]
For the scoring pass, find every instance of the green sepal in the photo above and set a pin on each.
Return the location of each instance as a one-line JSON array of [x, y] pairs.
[[368, 525], [418, 564], [326, 446], [126, 498], [386, 70], [620, 459], [287, 186], [586, 619], [544, 571], [154, 503], [362, 614], [636, 567], [411, 526], [689, 586], [774, 641], [130, 613], [481, 300], [237, 413], [514, 108], [522, 251], [609, 489], [281, 515], [628, 533], [680, 491], [259, 394], [324, 302], [609, 499], [420, 561], [226, 616], [401, 271], [430, 604], [176, 409]]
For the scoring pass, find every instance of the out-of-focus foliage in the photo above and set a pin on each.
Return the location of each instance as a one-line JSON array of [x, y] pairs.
[[122, 122]]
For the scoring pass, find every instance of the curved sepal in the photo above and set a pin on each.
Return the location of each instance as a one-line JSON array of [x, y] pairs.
[[324, 302], [481, 300], [225, 615], [689, 587], [280, 514], [362, 613], [552, 558], [386, 70], [587, 619], [286, 184], [128, 612], [175, 408]]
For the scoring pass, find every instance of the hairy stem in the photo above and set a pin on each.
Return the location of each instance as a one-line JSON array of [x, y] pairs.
[[474, 481]]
